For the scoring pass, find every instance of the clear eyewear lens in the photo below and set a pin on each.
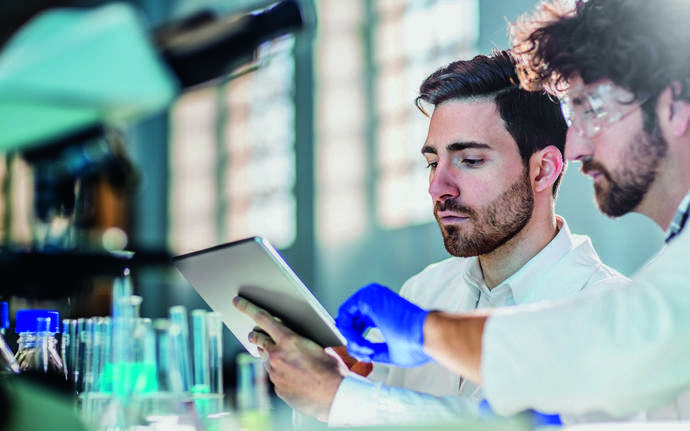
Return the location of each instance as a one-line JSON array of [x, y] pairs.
[[591, 110], [567, 111], [576, 122]]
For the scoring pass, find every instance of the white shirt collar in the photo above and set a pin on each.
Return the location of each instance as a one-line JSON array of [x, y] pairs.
[[531, 273]]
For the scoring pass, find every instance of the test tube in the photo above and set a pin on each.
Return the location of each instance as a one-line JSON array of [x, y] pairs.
[[126, 311], [170, 369], [77, 354], [200, 343], [97, 368], [178, 316], [161, 328], [122, 317], [215, 351], [122, 288], [86, 340], [122, 292], [101, 358], [143, 356], [66, 346], [43, 335]]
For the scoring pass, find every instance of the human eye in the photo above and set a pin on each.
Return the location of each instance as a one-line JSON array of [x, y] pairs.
[[595, 107], [469, 161], [430, 159], [472, 162], [588, 111], [595, 113]]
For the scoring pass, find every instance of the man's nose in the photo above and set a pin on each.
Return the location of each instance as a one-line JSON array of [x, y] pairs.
[[577, 146], [442, 185]]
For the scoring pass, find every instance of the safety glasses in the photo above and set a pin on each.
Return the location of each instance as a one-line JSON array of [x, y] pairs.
[[592, 109]]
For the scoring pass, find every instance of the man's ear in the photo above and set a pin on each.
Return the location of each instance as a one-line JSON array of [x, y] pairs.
[[545, 167], [673, 114]]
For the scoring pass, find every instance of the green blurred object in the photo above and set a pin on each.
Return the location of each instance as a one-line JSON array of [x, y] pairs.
[[69, 69], [37, 408], [132, 377], [256, 420]]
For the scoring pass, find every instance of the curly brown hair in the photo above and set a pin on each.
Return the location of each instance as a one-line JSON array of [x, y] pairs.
[[640, 45]]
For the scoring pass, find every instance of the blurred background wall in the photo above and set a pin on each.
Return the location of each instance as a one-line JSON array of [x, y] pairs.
[[319, 150]]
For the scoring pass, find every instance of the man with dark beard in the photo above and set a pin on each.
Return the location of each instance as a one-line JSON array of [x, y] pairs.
[[621, 69], [494, 153]]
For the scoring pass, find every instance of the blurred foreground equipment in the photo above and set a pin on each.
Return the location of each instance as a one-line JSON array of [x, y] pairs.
[[69, 77], [205, 47]]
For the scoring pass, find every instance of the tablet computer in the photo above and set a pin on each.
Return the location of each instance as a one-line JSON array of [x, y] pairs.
[[253, 269]]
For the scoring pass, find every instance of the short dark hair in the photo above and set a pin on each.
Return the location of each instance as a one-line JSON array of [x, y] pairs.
[[640, 45], [533, 119]]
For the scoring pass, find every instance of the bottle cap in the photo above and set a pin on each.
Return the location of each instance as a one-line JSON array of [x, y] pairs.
[[4, 315], [27, 320]]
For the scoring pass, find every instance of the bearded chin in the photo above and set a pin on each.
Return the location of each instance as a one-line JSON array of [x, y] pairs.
[[459, 245], [626, 191], [616, 201]]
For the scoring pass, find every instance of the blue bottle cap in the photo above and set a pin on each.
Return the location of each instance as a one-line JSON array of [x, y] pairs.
[[27, 320], [4, 315]]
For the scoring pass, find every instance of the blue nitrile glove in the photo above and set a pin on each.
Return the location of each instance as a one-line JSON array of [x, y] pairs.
[[400, 322], [538, 419], [542, 419]]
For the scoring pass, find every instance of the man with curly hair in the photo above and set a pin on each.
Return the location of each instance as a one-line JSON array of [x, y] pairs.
[[621, 69]]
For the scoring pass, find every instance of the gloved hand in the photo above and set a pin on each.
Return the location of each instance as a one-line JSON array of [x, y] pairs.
[[401, 323], [538, 419]]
